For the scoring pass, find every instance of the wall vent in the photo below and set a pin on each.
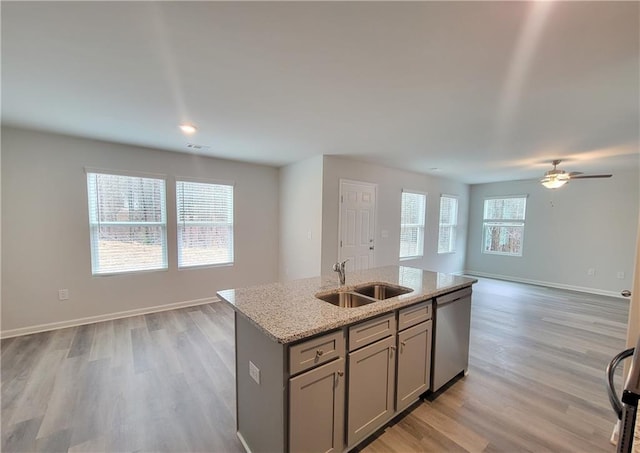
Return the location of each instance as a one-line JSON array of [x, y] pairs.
[[198, 147]]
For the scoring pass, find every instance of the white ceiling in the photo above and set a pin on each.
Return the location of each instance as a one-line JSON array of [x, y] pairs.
[[483, 91]]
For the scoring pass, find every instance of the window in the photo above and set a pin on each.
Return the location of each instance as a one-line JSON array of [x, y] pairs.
[[205, 223], [412, 224], [448, 224], [128, 222], [504, 225]]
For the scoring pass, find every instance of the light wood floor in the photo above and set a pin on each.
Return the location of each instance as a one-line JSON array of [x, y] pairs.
[[164, 382]]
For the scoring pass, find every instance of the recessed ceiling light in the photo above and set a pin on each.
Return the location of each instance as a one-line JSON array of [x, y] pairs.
[[188, 128]]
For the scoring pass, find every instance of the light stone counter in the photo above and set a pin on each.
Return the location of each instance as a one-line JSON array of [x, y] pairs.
[[287, 312]]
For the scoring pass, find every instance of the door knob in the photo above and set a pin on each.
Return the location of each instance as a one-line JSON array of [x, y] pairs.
[[626, 293]]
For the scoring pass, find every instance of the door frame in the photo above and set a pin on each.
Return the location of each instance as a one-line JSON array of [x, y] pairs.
[[375, 216]]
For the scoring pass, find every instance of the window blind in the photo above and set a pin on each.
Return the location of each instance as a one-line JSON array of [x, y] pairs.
[[127, 217], [448, 224], [412, 220], [205, 223]]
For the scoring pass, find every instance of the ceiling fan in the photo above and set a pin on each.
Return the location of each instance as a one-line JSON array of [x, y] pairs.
[[557, 178]]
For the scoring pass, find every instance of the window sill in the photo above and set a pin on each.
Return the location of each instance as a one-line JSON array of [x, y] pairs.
[[141, 271], [205, 266], [409, 258], [503, 254]]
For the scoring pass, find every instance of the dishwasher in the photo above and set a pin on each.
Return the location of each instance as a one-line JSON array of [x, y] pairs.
[[452, 321]]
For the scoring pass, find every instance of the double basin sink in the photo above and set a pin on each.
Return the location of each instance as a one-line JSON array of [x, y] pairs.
[[363, 295]]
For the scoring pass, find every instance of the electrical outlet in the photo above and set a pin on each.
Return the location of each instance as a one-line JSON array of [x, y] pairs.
[[254, 372], [620, 275], [591, 272], [63, 294]]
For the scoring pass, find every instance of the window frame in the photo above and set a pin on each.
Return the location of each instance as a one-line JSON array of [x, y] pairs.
[[421, 227], [94, 227], [452, 226], [217, 182], [519, 223]]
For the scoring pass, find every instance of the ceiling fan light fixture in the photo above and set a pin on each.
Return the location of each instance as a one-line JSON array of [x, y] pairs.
[[553, 182]]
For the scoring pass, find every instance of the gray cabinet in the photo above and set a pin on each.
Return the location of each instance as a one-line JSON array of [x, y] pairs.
[[371, 389], [414, 364], [330, 392], [316, 409]]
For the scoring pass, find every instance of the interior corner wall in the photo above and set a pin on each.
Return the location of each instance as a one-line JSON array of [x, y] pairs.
[[45, 229], [390, 183], [300, 219], [587, 224]]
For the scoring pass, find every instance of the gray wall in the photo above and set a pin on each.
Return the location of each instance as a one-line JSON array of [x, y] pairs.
[[588, 224], [300, 219], [390, 184], [45, 229]]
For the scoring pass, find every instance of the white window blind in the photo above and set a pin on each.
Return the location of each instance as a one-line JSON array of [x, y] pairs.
[[503, 225], [205, 223], [127, 218], [448, 224], [412, 221]]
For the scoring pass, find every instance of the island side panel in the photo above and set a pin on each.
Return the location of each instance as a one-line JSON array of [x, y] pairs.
[[260, 407]]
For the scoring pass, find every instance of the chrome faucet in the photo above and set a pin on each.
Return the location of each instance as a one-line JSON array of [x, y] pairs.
[[339, 268]]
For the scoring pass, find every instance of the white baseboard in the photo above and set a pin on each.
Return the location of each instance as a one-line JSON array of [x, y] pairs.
[[106, 317], [243, 442], [580, 289]]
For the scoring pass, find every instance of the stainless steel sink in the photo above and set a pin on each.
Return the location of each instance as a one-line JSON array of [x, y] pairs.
[[381, 291], [346, 299]]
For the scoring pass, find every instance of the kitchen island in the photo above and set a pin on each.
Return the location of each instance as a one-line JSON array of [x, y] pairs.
[[313, 376]]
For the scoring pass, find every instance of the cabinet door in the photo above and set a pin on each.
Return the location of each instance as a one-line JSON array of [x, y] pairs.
[[371, 388], [414, 364], [316, 409]]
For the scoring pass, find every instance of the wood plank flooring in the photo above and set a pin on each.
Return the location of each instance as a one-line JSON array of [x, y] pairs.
[[165, 381]]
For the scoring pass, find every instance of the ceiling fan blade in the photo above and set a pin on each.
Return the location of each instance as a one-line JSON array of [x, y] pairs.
[[591, 176], [573, 174]]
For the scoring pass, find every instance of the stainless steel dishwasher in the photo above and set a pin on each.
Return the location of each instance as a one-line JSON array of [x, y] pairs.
[[452, 321]]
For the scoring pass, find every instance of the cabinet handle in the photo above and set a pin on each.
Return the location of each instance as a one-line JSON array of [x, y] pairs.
[[319, 352], [403, 343], [340, 373]]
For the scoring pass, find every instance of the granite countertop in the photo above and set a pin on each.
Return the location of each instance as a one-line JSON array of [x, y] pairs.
[[289, 311]]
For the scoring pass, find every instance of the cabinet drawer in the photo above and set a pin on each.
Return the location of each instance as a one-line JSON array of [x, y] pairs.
[[316, 351], [369, 331], [415, 314]]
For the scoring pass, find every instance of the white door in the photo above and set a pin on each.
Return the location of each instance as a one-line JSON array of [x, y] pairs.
[[357, 224]]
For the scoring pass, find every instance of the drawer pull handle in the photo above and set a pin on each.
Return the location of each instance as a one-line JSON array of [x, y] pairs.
[[319, 352]]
